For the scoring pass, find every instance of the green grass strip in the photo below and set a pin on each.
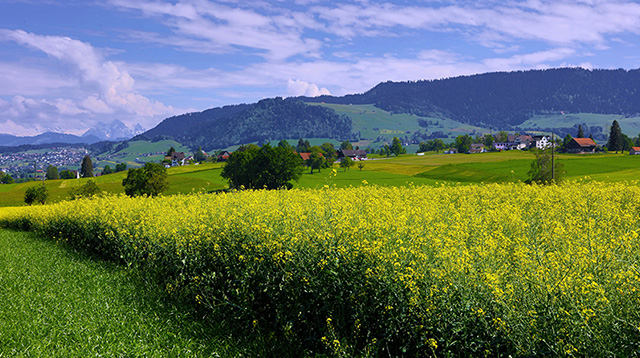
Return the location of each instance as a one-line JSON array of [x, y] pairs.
[[55, 302]]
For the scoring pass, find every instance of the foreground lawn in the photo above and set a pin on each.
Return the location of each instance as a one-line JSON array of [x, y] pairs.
[[58, 303]]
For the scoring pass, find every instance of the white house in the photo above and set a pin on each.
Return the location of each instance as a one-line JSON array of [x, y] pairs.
[[177, 158]]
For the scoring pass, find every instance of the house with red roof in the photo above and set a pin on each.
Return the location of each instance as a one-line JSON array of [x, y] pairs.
[[634, 150], [581, 145]]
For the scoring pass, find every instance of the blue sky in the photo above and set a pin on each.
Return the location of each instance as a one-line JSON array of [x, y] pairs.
[[67, 64]]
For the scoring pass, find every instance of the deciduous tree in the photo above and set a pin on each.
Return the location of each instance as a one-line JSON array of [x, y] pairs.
[[396, 147], [149, 180], [52, 173], [262, 167], [88, 190], [463, 143], [541, 169], [346, 145], [36, 194], [346, 163]]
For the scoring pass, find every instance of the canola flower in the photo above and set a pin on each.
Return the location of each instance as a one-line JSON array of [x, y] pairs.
[[489, 269]]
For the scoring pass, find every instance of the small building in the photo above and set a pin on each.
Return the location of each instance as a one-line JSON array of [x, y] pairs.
[[306, 156], [224, 156], [541, 142], [354, 154], [451, 151], [581, 145], [634, 151], [476, 148], [177, 159]]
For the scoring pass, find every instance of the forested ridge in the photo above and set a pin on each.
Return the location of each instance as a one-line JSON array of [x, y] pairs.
[[506, 99], [499, 100], [268, 119]]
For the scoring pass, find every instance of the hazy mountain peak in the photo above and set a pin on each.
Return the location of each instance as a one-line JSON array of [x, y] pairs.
[[114, 131]]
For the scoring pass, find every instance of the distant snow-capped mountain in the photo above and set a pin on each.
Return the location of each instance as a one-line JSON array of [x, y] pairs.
[[114, 131]]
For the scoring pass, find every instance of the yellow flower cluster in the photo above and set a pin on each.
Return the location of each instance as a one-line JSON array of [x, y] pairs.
[[545, 268]]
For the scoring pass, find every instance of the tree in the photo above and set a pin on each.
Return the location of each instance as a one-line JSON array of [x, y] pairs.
[[502, 137], [329, 152], [565, 141], [86, 169], [360, 165], [7, 179], [199, 156], [107, 170], [120, 167], [149, 180], [487, 141], [541, 172], [66, 174], [438, 145], [262, 168], [396, 147], [284, 144], [316, 159], [52, 173], [346, 163], [615, 137], [36, 194], [626, 143], [303, 146], [386, 150], [171, 151], [580, 132], [463, 143], [346, 145], [88, 190]]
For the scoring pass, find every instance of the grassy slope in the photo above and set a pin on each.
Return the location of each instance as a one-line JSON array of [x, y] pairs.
[[630, 126], [136, 149], [367, 117], [58, 303], [429, 169]]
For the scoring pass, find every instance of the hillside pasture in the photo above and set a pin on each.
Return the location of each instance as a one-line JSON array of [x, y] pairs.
[[429, 169]]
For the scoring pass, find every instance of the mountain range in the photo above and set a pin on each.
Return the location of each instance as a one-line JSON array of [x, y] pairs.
[[113, 131]]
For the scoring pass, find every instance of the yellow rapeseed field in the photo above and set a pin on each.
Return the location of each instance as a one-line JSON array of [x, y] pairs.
[[504, 269]]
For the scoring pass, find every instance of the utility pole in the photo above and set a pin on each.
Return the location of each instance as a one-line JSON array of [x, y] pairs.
[[553, 169]]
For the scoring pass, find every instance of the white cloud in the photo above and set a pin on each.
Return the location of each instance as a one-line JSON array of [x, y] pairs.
[[96, 87], [301, 88], [227, 29]]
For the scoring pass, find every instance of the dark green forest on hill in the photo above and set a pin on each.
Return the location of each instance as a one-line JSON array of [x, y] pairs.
[[503, 100], [269, 119]]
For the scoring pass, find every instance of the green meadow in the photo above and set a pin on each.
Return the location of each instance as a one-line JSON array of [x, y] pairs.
[[56, 302], [410, 169]]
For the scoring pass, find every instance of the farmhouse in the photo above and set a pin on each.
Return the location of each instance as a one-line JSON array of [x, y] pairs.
[[354, 154], [476, 148], [634, 151], [581, 145], [515, 142], [541, 142], [177, 159], [224, 156], [307, 156]]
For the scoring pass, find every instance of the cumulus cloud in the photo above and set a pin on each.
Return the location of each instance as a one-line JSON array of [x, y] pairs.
[[301, 88], [97, 86]]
